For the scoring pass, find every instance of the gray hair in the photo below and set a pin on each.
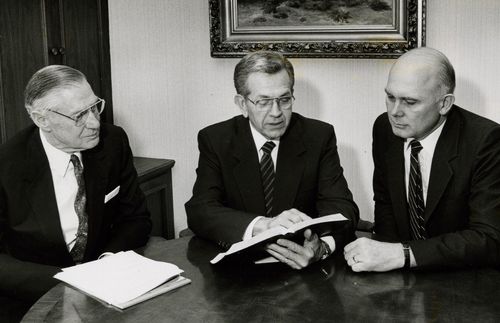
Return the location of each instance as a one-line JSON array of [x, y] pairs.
[[47, 80], [447, 74], [261, 61]]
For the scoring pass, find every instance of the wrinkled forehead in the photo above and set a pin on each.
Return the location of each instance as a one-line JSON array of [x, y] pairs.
[[70, 98], [413, 75]]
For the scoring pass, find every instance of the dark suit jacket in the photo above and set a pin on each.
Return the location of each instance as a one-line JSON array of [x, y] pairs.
[[228, 192], [462, 213], [32, 246]]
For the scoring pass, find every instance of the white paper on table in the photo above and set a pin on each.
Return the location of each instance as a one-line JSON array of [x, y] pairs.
[[119, 278]]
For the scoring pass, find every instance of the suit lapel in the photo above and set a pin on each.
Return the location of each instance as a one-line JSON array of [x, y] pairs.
[[247, 168], [441, 171], [290, 166], [396, 181], [41, 196], [95, 188]]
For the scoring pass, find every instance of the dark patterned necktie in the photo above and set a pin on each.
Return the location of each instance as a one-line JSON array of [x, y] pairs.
[[415, 194], [78, 249], [267, 175]]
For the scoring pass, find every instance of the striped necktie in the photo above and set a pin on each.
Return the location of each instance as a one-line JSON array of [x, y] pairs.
[[267, 175], [415, 194], [78, 250]]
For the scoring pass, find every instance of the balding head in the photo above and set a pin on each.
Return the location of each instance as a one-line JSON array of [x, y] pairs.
[[419, 92], [431, 62]]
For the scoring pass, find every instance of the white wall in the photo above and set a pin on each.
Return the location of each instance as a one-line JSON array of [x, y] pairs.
[[166, 86]]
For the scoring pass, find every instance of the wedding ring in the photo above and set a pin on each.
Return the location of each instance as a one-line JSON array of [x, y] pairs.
[[354, 258]]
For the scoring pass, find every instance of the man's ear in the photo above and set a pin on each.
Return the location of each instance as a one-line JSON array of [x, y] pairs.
[[40, 120], [239, 100], [446, 104]]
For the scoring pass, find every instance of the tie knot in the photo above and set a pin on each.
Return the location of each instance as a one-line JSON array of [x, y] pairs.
[[416, 147], [268, 147], [75, 161]]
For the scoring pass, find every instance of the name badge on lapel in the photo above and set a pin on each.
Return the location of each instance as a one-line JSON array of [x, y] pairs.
[[111, 194]]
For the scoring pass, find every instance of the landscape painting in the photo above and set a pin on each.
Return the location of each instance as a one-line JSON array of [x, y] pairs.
[[258, 13], [317, 28]]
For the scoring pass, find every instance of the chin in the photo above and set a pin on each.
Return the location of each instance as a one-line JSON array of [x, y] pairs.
[[92, 143], [401, 133]]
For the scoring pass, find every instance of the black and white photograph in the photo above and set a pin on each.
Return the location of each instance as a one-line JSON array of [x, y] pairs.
[[281, 161]]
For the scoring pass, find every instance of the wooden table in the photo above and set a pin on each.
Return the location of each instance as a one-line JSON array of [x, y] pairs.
[[327, 291]]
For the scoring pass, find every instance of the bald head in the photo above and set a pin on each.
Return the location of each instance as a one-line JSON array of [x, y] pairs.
[[419, 93], [430, 63]]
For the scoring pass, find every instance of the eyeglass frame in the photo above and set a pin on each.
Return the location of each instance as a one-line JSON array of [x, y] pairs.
[[84, 111], [273, 100]]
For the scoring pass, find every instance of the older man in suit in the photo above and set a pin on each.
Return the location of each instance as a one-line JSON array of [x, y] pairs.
[[68, 186], [269, 167], [437, 175]]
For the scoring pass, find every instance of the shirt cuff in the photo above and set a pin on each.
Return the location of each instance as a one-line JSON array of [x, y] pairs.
[[248, 232], [330, 241]]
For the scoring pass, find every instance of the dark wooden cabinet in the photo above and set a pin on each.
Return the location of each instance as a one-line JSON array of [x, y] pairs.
[[155, 179], [36, 33]]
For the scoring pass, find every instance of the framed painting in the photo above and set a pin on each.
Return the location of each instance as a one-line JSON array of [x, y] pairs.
[[317, 28]]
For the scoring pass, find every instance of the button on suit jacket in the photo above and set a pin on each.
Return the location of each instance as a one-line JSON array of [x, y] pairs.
[[462, 213], [228, 192], [32, 246]]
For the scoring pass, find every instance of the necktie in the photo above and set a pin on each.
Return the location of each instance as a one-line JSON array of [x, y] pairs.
[[415, 194], [78, 249], [267, 175]]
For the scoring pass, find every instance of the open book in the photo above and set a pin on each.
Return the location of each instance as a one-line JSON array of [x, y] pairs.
[[254, 248], [123, 279]]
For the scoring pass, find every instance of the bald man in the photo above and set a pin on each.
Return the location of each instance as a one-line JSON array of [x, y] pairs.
[[437, 175]]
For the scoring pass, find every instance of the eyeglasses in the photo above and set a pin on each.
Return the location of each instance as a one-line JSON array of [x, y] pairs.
[[81, 117], [284, 102]]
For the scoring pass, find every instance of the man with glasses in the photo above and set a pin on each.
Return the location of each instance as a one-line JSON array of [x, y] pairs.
[[68, 187], [437, 175], [269, 167]]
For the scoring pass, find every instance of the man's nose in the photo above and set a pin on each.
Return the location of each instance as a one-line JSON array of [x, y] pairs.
[[93, 120], [395, 109], [275, 108]]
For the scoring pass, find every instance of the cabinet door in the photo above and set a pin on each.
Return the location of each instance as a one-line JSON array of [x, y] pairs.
[[86, 40], [23, 44], [36, 33]]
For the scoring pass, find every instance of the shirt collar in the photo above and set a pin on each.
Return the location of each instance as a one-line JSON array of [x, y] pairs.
[[259, 139], [59, 161], [429, 142]]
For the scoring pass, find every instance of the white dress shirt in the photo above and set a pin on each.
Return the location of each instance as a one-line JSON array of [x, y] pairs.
[[259, 141], [424, 157], [65, 188]]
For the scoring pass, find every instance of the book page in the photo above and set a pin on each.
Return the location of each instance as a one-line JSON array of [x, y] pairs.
[[119, 278], [323, 219], [275, 232]]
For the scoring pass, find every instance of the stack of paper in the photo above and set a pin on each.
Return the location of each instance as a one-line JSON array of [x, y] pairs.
[[123, 279]]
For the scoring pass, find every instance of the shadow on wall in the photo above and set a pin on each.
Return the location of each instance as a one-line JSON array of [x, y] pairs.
[[467, 93], [313, 104], [357, 177]]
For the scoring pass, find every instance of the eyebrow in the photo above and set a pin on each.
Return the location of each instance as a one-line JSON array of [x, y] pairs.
[[403, 98], [287, 93], [87, 107]]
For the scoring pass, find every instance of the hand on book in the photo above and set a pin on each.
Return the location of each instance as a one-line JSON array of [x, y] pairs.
[[295, 255], [285, 219]]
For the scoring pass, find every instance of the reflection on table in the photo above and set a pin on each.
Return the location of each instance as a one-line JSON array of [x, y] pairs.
[[326, 291]]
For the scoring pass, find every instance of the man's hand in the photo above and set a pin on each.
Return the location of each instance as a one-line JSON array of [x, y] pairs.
[[285, 219], [366, 254], [295, 255]]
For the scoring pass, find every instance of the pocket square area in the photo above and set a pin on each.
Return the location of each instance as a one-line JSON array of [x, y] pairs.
[[111, 194]]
